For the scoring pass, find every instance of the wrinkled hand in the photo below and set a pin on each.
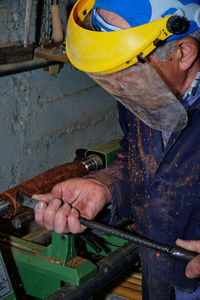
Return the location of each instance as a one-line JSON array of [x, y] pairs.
[[193, 267], [67, 201]]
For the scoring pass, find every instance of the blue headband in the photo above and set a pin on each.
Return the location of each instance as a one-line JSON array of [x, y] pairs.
[[139, 12]]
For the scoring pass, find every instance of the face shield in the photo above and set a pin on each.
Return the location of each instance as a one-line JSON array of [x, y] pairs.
[[112, 60], [141, 90]]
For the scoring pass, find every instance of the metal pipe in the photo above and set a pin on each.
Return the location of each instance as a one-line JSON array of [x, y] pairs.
[[109, 267], [30, 65]]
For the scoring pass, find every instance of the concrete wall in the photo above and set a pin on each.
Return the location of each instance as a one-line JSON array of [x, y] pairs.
[[44, 119]]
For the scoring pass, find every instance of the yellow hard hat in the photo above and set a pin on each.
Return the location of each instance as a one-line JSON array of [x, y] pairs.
[[108, 52]]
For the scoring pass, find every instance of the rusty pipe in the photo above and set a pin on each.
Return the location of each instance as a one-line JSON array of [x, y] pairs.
[[30, 65]]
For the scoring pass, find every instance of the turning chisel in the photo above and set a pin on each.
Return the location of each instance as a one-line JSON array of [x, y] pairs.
[[174, 252]]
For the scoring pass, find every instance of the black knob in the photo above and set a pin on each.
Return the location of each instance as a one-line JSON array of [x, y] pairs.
[[177, 25]]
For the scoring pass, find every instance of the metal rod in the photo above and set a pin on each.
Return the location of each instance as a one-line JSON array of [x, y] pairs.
[[175, 252], [109, 267], [30, 65]]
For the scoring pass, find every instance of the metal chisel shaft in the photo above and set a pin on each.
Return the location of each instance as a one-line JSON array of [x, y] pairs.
[[175, 252]]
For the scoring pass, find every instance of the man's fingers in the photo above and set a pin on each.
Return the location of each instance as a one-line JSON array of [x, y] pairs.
[[39, 212], [50, 213], [55, 215], [60, 222], [189, 245], [193, 268], [74, 223], [45, 214]]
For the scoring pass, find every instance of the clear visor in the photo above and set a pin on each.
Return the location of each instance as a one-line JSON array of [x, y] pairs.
[[141, 90]]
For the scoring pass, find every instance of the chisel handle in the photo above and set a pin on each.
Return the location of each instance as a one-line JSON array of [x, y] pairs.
[[56, 23]]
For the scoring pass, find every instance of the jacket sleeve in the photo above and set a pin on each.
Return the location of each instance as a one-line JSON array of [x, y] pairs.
[[116, 176]]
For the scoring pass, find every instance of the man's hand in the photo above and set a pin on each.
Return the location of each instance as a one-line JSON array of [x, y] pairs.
[[193, 267], [67, 201]]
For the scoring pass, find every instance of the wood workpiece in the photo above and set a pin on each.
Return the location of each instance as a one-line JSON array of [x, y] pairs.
[[42, 183]]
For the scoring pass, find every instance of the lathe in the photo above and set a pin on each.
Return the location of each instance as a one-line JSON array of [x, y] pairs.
[[37, 264]]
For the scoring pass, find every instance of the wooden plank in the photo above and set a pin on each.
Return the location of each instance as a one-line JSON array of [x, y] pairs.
[[127, 293], [14, 52]]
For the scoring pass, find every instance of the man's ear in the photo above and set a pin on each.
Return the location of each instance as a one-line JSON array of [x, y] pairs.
[[187, 52]]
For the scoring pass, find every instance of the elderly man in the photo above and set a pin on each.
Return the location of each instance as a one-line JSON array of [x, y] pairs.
[[146, 54]]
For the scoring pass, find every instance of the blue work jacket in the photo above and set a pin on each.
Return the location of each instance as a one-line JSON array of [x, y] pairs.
[[159, 190]]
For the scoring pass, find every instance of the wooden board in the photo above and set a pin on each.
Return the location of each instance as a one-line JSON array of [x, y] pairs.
[[14, 52]]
